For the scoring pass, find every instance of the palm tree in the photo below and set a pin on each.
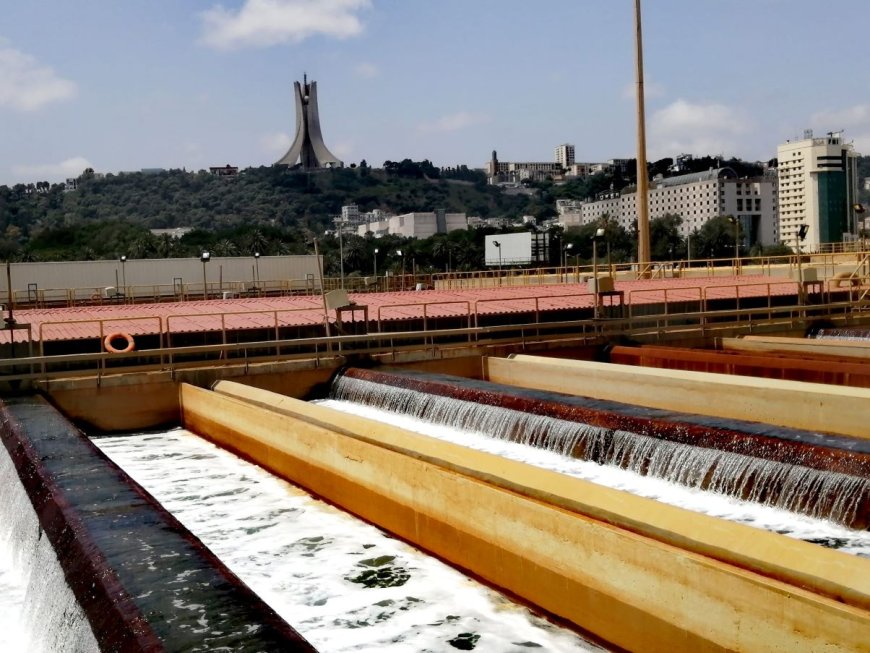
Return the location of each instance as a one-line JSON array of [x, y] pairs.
[[257, 242], [225, 248], [143, 246], [166, 246], [356, 254]]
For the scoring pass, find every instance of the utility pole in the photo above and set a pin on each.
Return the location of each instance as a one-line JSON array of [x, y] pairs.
[[643, 238]]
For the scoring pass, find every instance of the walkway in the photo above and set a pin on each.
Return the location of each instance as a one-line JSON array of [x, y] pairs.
[[273, 312]]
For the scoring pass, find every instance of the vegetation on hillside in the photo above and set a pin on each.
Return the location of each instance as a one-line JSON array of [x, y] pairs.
[[273, 210]]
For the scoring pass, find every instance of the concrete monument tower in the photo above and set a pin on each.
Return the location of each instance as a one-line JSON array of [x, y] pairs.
[[308, 148]]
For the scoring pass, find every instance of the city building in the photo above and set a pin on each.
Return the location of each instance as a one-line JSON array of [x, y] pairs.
[[414, 225], [564, 165], [818, 187], [224, 171], [514, 172], [696, 197], [564, 155], [176, 233]]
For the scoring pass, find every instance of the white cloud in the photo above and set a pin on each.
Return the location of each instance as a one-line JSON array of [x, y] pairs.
[[366, 70], [276, 143], [454, 122], [854, 120], [262, 23], [72, 167], [697, 128], [27, 85]]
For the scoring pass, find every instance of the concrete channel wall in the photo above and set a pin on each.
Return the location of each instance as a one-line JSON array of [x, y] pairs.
[[638, 574], [123, 555], [794, 404]]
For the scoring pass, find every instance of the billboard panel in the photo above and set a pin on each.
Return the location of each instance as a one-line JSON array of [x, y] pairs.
[[508, 249]]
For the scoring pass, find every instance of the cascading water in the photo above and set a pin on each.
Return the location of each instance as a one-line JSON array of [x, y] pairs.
[[817, 493], [835, 333], [39, 611]]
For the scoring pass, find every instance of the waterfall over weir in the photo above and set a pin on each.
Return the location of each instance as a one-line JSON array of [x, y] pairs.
[[842, 333], [652, 447], [38, 610]]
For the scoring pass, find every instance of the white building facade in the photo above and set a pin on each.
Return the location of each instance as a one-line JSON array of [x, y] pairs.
[[697, 198], [415, 225], [564, 155], [818, 187]]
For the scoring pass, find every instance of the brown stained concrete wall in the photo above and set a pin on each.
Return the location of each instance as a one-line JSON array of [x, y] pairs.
[[772, 344], [794, 404], [811, 368], [144, 400], [518, 527]]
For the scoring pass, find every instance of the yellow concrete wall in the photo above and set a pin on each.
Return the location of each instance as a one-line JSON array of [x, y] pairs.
[[145, 400], [795, 404], [480, 512], [770, 344]]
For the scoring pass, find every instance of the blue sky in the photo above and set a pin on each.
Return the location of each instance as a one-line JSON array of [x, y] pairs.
[[124, 84]]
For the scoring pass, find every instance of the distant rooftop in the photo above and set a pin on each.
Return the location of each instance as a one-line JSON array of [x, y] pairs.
[[693, 177], [176, 232]]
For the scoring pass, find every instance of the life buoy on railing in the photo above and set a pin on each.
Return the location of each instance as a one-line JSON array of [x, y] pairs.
[[119, 335]]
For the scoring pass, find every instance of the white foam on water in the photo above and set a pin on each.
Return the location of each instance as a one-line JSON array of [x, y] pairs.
[[299, 554], [38, 611], [792, 524]]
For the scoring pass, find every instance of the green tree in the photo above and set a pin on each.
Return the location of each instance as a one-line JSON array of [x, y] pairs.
[[715, 239], [665, 240]]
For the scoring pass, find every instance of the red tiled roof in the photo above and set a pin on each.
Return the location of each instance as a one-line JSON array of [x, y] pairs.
[[252, 313]]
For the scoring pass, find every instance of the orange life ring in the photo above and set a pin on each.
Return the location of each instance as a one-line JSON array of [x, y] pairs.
[[109, 339]]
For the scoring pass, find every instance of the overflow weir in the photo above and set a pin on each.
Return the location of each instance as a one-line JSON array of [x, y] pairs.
[[826, 477], [633, 572], [139, 580]]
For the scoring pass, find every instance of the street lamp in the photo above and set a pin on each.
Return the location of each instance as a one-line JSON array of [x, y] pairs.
[[257, 271], [402, 254], [340, 226], [859, 219], [599, 234], [736, 224], [123, 260], [498, 247], [205, 257], [799, 236], [376, 264], [565, 250]]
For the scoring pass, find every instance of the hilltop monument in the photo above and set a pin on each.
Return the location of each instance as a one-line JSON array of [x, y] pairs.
[[308, 148]]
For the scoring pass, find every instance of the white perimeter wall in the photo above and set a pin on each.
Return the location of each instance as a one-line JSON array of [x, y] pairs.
[[151, 272]]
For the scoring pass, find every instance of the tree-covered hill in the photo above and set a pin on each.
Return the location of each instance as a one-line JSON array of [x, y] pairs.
[[41, 218]]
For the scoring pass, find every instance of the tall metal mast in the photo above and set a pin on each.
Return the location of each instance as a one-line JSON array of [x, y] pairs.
[[643, 244]]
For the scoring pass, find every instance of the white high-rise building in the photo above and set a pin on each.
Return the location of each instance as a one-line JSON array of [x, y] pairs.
[[818, 185], [696, 197], [564, 155]]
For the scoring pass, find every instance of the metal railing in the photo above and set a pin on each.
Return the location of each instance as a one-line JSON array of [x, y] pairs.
[[101, 326], [665, 300], [431, 343], [426, 310], [827, 262]]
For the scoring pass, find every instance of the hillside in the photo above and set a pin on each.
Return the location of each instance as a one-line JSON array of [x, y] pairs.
[[110, 214]]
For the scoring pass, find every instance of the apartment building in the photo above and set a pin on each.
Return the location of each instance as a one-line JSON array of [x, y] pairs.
[[818, 187], [564, 155], [419, 224], [696, 197]]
